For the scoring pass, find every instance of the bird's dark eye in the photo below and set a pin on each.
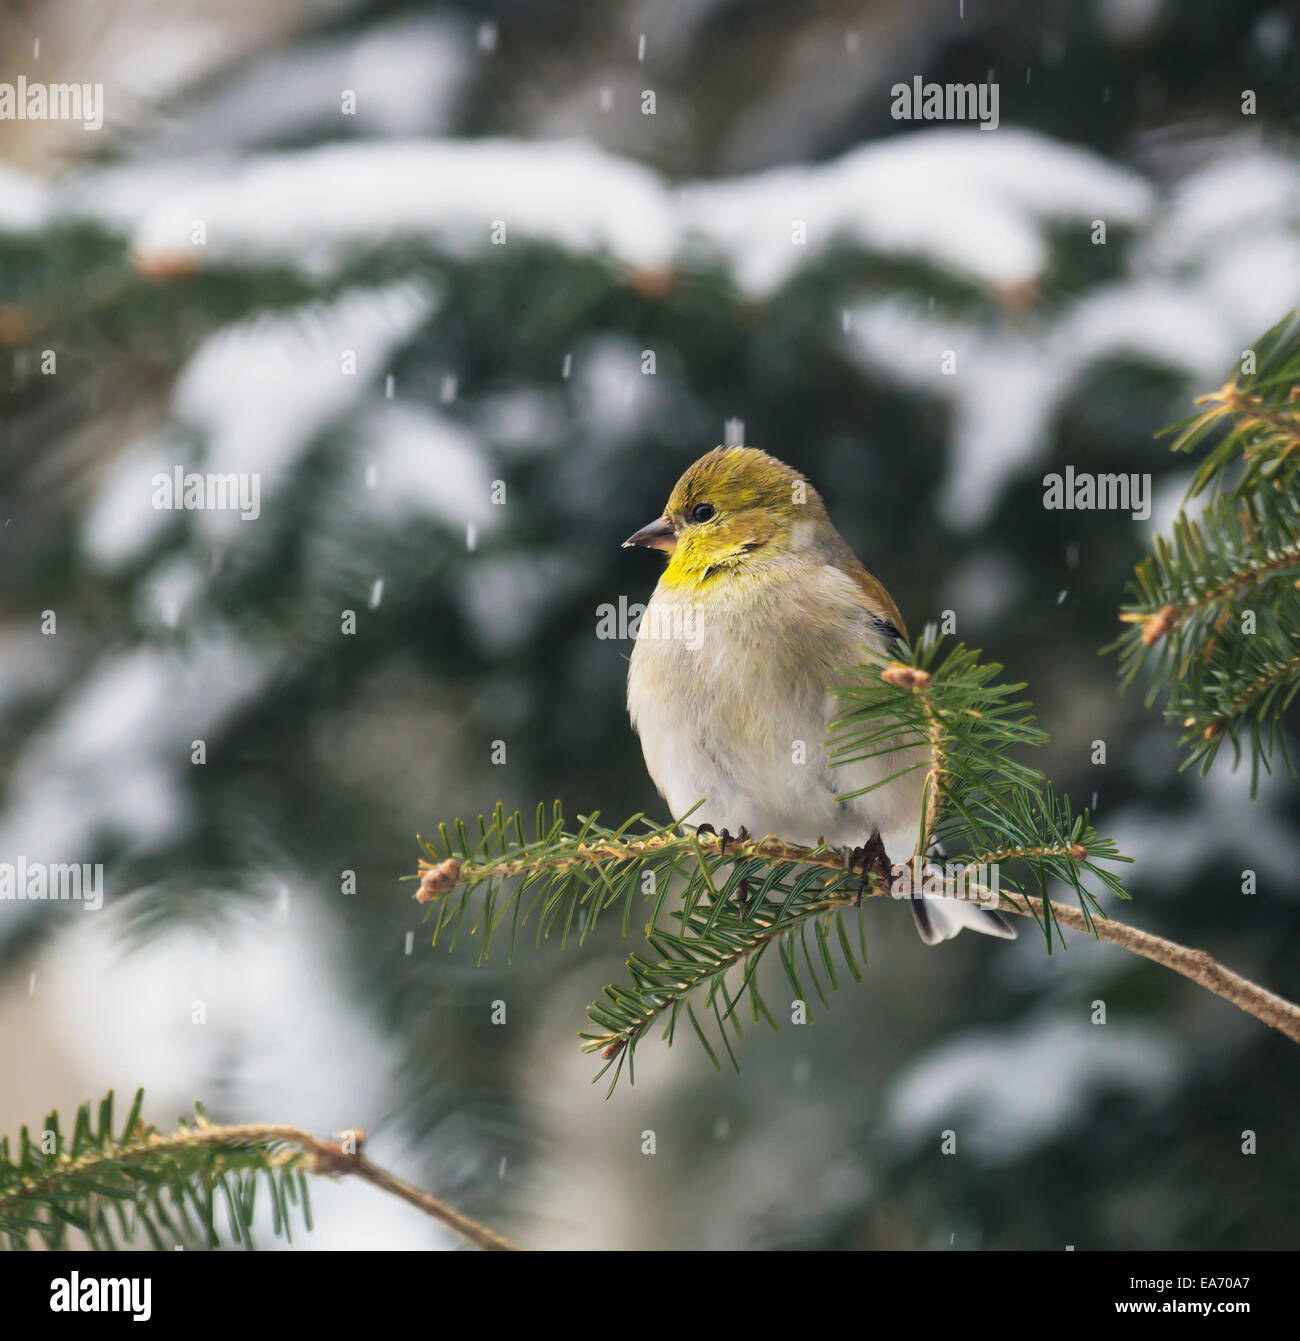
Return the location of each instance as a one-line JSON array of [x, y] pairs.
[[701, 512]]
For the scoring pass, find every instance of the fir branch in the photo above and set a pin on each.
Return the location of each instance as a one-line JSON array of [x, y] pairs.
[[1248, 684], [1188, 587], [1258, 411], [719, 934], [1213, 611], [558, 882], [949, 706], [734, 903], [111, 1187]]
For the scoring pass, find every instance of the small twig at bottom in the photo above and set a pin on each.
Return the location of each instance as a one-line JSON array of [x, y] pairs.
[[486, 1238], [329, 1157]]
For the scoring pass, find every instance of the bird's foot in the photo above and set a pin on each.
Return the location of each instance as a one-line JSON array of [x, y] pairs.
[[741, 836], [873, 860]]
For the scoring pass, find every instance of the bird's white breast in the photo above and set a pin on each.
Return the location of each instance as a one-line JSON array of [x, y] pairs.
[[730, 692]]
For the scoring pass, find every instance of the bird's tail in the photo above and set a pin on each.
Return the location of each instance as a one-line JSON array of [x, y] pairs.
[[941, 919]]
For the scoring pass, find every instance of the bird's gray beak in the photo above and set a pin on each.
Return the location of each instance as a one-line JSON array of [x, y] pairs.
[[658, 535]]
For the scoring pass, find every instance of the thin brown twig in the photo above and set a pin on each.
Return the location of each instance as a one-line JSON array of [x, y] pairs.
[[1196, 965], [469, 1229]]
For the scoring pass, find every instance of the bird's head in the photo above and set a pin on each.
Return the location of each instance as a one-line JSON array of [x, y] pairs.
[[733, 509]]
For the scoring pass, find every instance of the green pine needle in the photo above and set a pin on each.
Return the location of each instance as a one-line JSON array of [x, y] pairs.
[[195, 1186]]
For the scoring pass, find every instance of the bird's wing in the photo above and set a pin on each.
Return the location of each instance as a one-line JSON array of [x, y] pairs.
[[877, 600]]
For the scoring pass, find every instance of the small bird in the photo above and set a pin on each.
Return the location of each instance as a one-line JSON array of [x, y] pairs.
[[760, 610]]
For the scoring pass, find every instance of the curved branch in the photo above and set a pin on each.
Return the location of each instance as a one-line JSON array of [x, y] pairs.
[[469, 1229], [1275, 1011]]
